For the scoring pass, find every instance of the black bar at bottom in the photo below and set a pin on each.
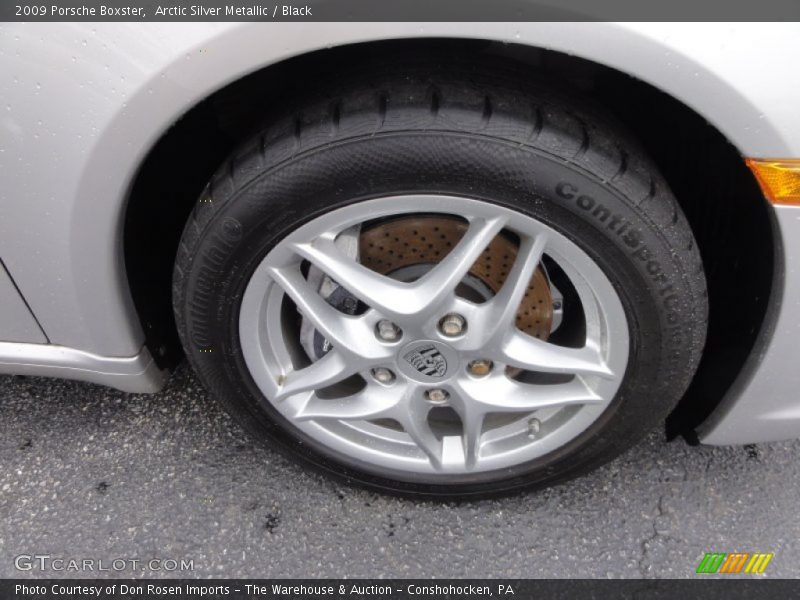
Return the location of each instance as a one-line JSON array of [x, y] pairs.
[[399, 589]]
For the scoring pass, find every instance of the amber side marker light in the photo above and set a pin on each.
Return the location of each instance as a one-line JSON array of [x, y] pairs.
[[779, 179]]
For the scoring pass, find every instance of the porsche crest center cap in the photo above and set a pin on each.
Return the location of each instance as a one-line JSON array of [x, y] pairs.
[[427, 360]]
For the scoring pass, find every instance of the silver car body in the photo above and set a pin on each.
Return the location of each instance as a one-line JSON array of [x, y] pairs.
[[82, 104]]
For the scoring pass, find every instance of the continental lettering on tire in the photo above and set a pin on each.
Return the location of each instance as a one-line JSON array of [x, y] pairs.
[[639, 250]]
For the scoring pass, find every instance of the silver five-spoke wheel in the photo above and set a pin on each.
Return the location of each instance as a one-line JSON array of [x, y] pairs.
[[417, 334]]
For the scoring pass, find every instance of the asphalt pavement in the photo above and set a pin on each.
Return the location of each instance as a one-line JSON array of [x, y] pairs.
[[89, 473]]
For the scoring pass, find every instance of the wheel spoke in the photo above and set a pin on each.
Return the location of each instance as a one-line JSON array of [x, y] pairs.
[[472, 416], [345, 332], [398, 402], [373, 402], [330, 369], [499, 394], [501, 311], [382, 293], [532, 354], [394, 298], [445, 276], [415, 423], [412, 414]]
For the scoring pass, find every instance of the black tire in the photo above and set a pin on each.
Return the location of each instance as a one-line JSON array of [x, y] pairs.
[[462, 132]]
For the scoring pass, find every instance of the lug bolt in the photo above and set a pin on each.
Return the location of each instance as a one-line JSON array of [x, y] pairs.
[[383, 375], [452, 325], [437, 396], [480, 367], [388, 331], [534, 425]]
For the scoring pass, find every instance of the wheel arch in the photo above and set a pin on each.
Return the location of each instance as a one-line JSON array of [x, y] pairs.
[[704, 169]]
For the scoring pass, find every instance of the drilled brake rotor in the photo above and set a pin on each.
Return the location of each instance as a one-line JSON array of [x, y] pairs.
[[390, 246]]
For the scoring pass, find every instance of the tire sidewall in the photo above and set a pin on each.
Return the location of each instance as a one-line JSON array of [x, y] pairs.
[[602, 222]]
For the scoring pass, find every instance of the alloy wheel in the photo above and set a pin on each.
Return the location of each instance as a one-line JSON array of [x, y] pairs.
[[427, 335]]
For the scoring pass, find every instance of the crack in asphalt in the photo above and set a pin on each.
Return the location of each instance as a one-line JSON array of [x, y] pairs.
[[644, 568]]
